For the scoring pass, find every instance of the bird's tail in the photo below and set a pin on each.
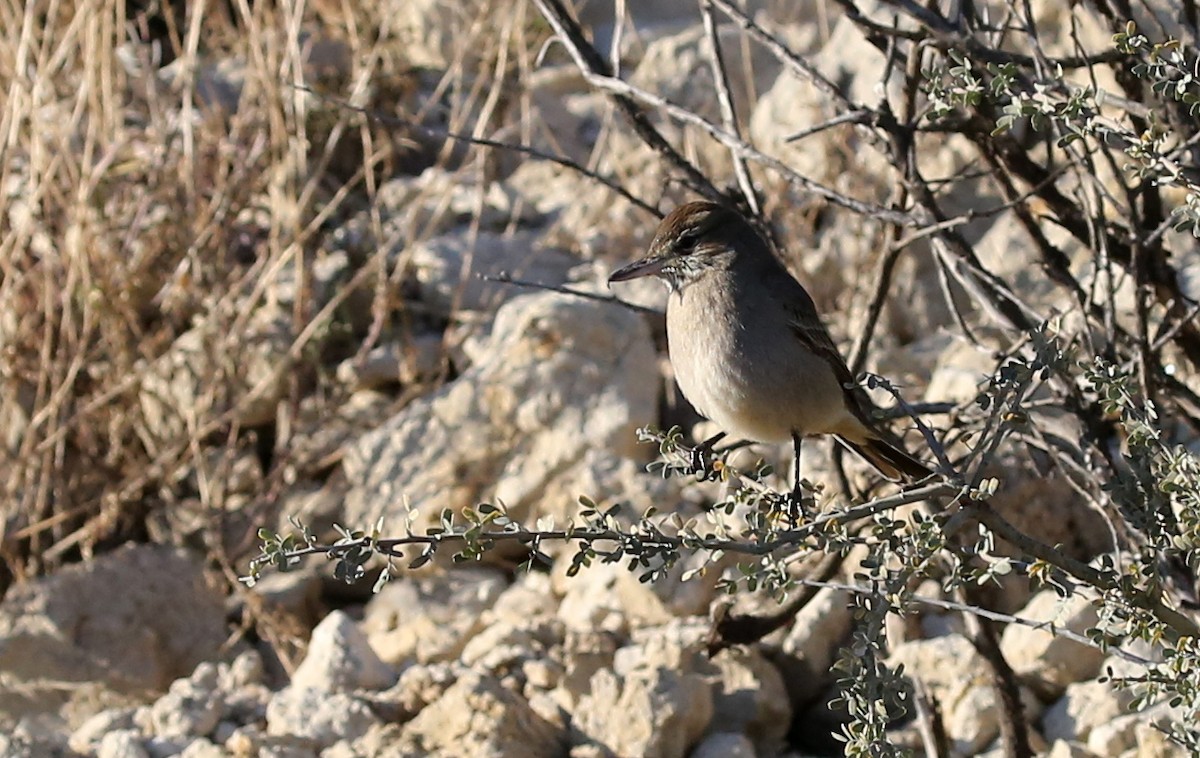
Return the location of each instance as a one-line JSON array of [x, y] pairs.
[[890, 460]]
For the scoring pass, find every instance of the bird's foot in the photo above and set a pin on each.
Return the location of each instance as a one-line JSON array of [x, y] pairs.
[[800, 502], [703, 464]]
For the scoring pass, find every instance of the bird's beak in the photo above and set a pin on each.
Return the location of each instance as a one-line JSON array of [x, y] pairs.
[[645, 267]]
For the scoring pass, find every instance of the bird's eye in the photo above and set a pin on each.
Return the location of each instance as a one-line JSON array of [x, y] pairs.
[[687, 239]]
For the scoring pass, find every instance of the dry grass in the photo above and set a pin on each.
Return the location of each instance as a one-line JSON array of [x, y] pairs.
[[135, 207]]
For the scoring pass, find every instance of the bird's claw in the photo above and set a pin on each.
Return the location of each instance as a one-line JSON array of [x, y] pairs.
[[702, 464]]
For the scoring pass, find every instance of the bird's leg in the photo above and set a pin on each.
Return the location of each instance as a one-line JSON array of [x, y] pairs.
[[796, 498], [701, 465]]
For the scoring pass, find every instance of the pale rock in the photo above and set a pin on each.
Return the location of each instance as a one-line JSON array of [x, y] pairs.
[[1153, 743], [793, 104], [394, 363], [190, 708], [725, 745], [340, 659], [319, 436], [1065, 749], [430, 618], [418, 686], [317, 717], [750, 698], [656, 713], [1138, 734], [654, 701], [432, 204], [430, 32], [674, 63], [1007, 251], [959, 679], [202, 748], [327, 273], [249, 371], [1083, 707], [86, 738], [562, 377], [251, 740], [1044, 660], [570, 120], [960, 371], [1115, 736], [133, 619], [812, 644], [476, 716], [502, 647], [452, 271], [584, 654], [121, 743], [541, 675], [379, 741], [608, 597], [529, 598]]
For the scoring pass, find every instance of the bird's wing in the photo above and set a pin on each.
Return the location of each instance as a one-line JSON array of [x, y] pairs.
[[806, 324]]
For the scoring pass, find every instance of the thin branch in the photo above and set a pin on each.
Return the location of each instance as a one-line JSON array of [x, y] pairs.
[[728, 114], [565, 290], [532, 152], [593, 67]]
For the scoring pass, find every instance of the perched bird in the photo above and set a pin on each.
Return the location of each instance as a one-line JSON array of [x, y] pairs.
[[747, 345]]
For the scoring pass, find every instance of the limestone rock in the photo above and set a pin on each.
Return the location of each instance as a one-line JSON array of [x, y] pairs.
[[250, 371], [394, 362], [1083, 707], [191, 707], [134, 619], [450, 269], [318, 718], [430, 618], [812, 644], [653, 702], [958, 678], [1044, 660], [749, 698], [1065, 749], [478, 717], [561, 376], [608, 597], [340, 659]]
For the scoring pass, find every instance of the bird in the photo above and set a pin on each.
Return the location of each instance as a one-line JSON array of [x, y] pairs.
[[748, 347]]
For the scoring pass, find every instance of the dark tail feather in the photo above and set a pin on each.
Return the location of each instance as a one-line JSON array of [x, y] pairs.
[[891, 461]]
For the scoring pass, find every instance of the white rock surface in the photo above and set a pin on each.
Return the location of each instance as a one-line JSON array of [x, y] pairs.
[[1045, 661], [958, 678], [207, 371], [450, 269], [191, 707], [316, 717], [812, 644], [1084, 707], [654, 701], [478, 717], [561, 376], [340, 659], [133, 619], [430, 618]]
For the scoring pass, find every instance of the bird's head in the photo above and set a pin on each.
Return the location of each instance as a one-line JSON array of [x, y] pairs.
[[693, 239]]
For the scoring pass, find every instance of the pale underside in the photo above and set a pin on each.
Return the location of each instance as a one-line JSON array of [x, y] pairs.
[[752, 374]]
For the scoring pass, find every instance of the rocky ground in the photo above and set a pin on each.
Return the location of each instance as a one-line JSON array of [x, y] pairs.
[[383, 373]]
